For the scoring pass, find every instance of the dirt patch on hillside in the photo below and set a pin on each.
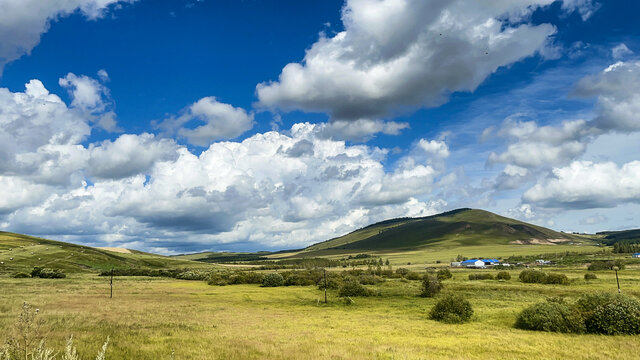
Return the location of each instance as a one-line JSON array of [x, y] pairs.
[[116, 249], [539, 241]]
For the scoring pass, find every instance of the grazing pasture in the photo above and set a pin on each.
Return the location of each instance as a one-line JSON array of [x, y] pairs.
[[149, 318]]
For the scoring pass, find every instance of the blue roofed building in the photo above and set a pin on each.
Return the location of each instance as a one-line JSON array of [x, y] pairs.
[[473, 263]]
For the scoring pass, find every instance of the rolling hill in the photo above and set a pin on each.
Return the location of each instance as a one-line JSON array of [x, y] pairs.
[[461, 227], [22, 252], [622, 236]]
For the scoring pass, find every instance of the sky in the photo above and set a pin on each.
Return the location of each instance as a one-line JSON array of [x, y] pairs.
[[177, 126]]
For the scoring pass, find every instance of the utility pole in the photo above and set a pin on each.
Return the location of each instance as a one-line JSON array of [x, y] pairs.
[[615, 268], [111, 284], [325, 285]]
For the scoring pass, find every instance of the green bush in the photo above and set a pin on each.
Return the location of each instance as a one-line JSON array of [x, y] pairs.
[[352, 287], [452, 309], [589, 276], [192, 275], [298, 278], [552, 316], [218, 279], [370, 279], [539, 277], [481, 276], [45, 273], [21, 275], [236, 278], [253, 277], [444, 274], [532, 276], [272, 280], [172, 273], [413, 276], [402, 271], [606, 265], [587, 303], [430, 286], [619, 316], [503, 275], [612, 314], [600, 313], [334, 282], [560, 279]]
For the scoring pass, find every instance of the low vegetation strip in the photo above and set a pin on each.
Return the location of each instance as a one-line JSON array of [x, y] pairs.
[[599, 313]]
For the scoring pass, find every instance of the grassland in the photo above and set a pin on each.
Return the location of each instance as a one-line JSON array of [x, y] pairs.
[[28, 251], [149, 318]]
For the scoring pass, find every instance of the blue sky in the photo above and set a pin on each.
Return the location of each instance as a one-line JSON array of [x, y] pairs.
[[176, 126]]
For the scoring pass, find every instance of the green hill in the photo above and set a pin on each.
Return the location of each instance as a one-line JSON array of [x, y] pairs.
[[22, 252], [623, 236], [462, 227]]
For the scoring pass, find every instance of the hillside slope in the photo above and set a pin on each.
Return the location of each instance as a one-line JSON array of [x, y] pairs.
[[22, 252], [462, 227], [623, 236]]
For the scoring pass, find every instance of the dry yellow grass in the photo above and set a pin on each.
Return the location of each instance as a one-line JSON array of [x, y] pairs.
[[150, 318]]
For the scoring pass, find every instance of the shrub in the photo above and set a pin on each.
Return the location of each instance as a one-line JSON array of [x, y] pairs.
[[143, 272], [453, 309], [503, 275], [481, 276], [606, 265], [413, 276], [21, 275], [539, 277], [298, 278], [218, 279], [402, 271], [272, 280], [253, 277], [588, 303], [560, 279], [352, 287], [36, 271], [532, 276], [552, 316], [444, 274], [612, 314], [589, 276], [333, 282], [192, 275], [619, 316], [370, 279], [45, 273], [236, 278], [430, 286]]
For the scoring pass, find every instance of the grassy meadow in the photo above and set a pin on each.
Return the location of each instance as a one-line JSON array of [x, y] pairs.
[[149, 318], [168, 318], [20, 253]]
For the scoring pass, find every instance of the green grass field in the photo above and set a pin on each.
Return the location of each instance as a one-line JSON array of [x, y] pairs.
[[150, 317], [27, 252]]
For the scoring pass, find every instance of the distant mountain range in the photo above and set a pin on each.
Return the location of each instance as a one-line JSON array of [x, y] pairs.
[[452, 229]]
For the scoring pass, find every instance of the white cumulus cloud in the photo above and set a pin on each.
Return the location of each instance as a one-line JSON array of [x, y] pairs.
[[270, 190], [395, 54], [221, 121], [22, 22], [585, 184]]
